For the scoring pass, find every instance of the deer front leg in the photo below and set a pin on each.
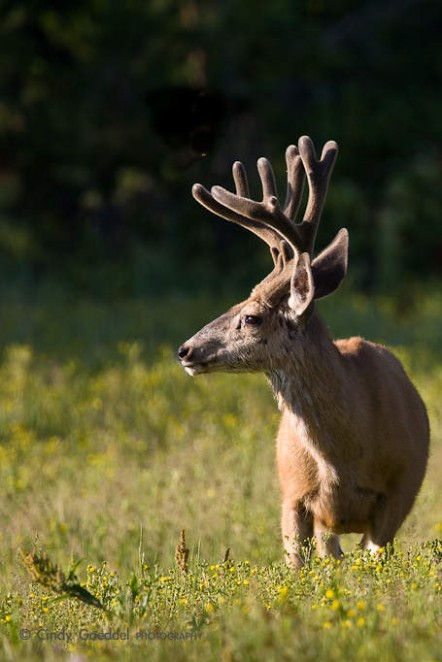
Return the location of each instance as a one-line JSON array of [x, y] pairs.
[[327, 543], [297, 531]]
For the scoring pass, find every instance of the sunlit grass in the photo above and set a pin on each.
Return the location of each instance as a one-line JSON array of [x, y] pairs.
[[108, 450]]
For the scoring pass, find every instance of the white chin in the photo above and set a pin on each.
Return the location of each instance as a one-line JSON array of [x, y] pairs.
[[192, 371]]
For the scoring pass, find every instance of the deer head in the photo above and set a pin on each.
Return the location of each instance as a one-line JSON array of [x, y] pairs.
[[251, 335]]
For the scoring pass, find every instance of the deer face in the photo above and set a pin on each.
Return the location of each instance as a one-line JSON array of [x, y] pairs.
[[255, 335], [240, 340]]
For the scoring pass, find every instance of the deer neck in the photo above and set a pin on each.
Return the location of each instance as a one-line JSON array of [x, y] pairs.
[[309, 387]]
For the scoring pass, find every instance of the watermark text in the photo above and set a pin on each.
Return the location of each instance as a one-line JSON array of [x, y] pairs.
[[117, 634]]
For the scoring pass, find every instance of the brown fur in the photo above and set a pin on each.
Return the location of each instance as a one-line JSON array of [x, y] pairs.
[[352, 445], [351, 453]]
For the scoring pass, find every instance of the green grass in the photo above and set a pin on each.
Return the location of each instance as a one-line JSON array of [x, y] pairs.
[[108, 450]]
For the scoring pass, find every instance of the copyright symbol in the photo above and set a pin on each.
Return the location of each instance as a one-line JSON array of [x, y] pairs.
[[25, 634]]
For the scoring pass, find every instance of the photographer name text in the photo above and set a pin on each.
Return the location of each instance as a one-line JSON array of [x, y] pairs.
[[86, 634]]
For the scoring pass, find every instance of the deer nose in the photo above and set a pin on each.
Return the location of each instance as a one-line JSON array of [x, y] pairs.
[[184, 352]]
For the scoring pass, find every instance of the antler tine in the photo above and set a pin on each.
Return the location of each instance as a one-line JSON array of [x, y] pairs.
[[235, 215], [267, 214], [206, 199], [268, 182], [279, 249], [295, 182], [240, 179], [318, 177]]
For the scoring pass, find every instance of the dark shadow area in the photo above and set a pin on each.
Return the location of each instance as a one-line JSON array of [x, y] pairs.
[[110, 112]]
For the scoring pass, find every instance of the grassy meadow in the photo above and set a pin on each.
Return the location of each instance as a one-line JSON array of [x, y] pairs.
[[108, 450]]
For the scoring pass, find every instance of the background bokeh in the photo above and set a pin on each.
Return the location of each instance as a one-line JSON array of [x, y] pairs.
[[110, 111]]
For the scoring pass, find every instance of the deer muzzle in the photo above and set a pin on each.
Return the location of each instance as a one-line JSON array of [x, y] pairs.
[[203, 352], [194, 359]]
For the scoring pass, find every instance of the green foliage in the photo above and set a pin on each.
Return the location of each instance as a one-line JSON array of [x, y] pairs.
[[367, 606], [410, 221], [107, 110], [108, 450]]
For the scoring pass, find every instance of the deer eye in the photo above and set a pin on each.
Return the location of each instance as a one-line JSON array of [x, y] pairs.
[[252, 320]]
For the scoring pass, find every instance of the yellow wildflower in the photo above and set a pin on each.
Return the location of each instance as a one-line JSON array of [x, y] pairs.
[[283, 593]]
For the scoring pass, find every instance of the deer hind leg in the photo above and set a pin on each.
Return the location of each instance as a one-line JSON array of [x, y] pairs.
[[297, 532], [370, 545], [327, 543], [387, 517]]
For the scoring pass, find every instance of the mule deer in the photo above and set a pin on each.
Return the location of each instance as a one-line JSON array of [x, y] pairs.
[[353, 440]]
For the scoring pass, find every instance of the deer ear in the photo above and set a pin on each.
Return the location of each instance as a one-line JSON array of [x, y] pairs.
[[302, 288], [330, 266]]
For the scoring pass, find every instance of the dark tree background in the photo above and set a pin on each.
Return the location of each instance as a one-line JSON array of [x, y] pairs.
[[109, 111]]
